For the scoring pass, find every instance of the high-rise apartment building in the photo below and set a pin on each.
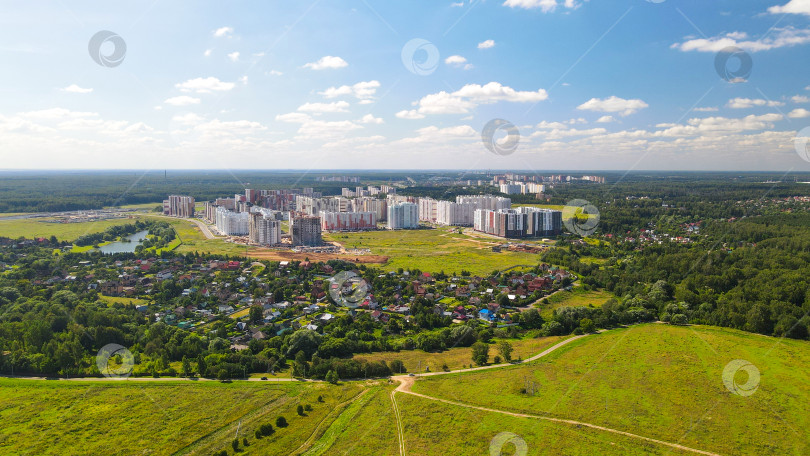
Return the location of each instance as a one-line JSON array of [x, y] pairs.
[[179, 206], [264, 229], [306, 231], [232, 223], [403, 216], [519, 223], [348, 221], [427, 210]]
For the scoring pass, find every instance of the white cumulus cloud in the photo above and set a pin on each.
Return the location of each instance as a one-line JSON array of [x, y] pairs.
[[362, 90], [370, 119], [338, 106], [486, 44], [792, 7], [778, 38], [223, 32], [546, 6], [745, 103], [182, 100], [613, 104], [468, 97], [73, 88], [799, 113], [205, 85], [327, 62]]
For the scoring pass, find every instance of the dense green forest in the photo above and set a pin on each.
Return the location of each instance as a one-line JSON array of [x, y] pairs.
[[747, 274]]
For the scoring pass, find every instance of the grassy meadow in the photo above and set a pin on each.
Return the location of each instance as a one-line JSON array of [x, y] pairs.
[[434, 250], [577, 297], [438, 428], [459, 357], [163, 418], [37, 227], [662, 382]]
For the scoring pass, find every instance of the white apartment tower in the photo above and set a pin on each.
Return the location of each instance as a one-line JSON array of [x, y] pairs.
[[403, 216]]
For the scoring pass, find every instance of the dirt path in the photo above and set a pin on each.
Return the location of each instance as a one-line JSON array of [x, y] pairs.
[[398, 416], [406, 383], [326, 420]]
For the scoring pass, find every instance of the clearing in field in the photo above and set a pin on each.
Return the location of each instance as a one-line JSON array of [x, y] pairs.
[[577, 297], [434, 250]]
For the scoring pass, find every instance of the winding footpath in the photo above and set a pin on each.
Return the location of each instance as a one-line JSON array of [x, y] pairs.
[[406, 383]]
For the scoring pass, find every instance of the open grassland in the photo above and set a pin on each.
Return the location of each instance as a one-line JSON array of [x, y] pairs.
[[577, 297], [437, 428], [113, 418], [366, 428], [33, 228], [110, 300], [460, 357], [434, 250], [662, 382]]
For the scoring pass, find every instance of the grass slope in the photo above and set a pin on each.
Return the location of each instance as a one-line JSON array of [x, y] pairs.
[[662, 382], [437, 428], [577, 297]]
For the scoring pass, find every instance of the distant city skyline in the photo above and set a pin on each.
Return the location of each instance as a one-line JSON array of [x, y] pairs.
[[578, 85]]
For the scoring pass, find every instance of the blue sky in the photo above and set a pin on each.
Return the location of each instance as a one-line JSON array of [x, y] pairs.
[[324, 84]]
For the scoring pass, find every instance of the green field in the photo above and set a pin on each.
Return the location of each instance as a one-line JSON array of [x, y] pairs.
[[32, 228], [112, 418], [577, 297], [438, 428], [434, 250], [122, 300], [662, 382], [460, 357]]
